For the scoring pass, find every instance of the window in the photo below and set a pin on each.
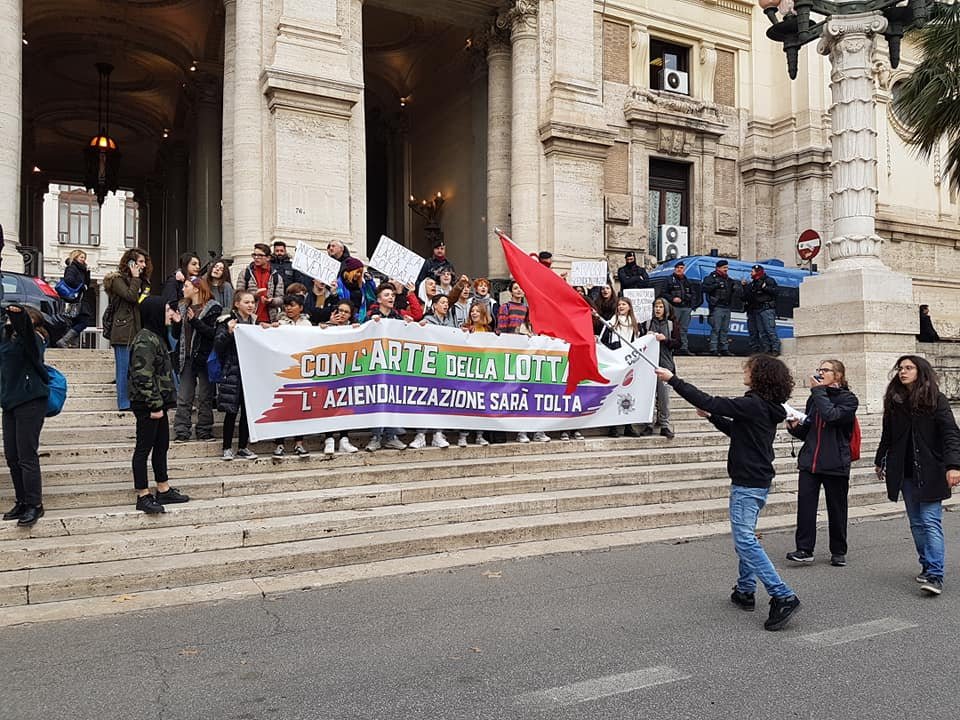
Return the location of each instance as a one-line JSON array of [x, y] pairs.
[[131, 223], [666, 56], [669, 197], [79, 218]]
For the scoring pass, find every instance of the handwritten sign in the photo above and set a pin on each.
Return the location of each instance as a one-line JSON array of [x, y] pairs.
[[395, 261], [642, 301], [316, 263], [588, 272]]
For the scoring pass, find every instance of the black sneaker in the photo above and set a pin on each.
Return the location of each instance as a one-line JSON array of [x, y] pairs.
[[922, 577], [780, 611], [149, 505], [667, 433], [933, 586], [646, 431], [800, 556], [171, 496], [15, 512], [630, 431], [743, 600], [838, 560]]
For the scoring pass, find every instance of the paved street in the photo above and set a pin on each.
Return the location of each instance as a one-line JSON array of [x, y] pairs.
[[643, 632]]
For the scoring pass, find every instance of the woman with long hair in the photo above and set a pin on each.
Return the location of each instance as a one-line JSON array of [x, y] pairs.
[[664, 326], [221, 285], [76, 274], [126, 289], [751, 422], [199, 313], [172, 291], [623, 326], [919, 457], [230, 392], [826, 431], [478, 320]]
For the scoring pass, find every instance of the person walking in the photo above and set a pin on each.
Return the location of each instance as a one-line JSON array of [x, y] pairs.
[[721, 293], [126, 288], [760, 304], [824, 460], [751, 422], [679, 292], [199, 313], [230, 392], [76, 274], [152, 393], [24, 389], [919, 457]]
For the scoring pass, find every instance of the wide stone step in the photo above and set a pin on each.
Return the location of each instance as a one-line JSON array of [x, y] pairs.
[[166, 570]]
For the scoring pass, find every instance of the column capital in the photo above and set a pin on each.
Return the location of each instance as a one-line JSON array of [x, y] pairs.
[[229, 3], [841, 33], [520, 16]]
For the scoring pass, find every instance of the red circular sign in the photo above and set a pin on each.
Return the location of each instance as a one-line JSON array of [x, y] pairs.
[[808, 245]]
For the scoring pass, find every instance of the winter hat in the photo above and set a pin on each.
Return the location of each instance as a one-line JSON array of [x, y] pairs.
[[353, 263]]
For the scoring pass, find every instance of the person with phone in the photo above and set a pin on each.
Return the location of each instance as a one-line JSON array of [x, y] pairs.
[[824, 460], [126, 289]]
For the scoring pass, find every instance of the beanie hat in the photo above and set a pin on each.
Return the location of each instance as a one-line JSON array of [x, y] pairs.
[[353, 263]]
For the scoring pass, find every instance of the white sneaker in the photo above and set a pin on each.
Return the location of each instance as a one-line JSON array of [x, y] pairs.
[[564, 436], [439, 440], [374, 444], [462, 440], [395, 443], [522, 438], [481, 440], [577, 435], [541, 437], [278, 452], [346, 446], [329, 446], [228, 454], [419, 442]]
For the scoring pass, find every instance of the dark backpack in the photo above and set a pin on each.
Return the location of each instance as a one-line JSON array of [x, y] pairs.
[[106, 322]]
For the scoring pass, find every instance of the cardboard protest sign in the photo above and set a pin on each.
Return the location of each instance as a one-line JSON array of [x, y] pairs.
[[316, 263], [642, 301], [396, 262], [588, 272]]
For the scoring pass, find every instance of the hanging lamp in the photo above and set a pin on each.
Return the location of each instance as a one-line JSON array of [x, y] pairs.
[[102, 156]]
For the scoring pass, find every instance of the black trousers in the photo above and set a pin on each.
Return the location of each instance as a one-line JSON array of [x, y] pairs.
[[153, 436], [21, 440], [835, 487], [230, 422]]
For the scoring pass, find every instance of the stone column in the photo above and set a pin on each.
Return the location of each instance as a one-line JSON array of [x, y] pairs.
[[226, 142], [11, 129], [526, 150], [858, 309], [708, 71], [248, 104], [499, 112], [205, 168]]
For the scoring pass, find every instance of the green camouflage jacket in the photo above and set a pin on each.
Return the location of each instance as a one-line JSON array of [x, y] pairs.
[[150, 382]]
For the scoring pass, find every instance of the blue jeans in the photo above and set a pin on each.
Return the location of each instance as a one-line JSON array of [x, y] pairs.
[[121, 358], [745, 506], [719, 327], [683, 317], [927, 529], [762, 325]]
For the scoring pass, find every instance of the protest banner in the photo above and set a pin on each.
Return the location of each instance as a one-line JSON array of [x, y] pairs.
[[396, 262], [588, 273], [316, 263], [303, 381], [642, 301]]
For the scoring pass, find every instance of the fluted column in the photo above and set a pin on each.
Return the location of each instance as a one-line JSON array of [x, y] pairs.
[[248, 103], [226, 141], [499, 119], [849, 41], [526, 152], [11, 130]]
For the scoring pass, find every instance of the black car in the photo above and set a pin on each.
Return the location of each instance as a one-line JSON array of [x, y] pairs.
[[36, 293]]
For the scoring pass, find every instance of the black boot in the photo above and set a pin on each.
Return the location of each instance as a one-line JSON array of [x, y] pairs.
[[16, 511], [30, 516]]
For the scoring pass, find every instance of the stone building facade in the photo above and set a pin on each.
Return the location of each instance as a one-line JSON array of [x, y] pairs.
[[314, 120]]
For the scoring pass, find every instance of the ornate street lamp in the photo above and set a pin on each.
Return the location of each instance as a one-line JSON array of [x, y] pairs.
[[102, 156], [796, 28], [429, 210]]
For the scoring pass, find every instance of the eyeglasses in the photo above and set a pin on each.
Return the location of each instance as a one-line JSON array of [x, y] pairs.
[[256, 255], [825, 370]]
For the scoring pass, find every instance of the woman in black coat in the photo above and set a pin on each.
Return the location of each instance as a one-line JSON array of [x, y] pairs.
[[824, 460], [77, 275], [230, 390], [919, 455]]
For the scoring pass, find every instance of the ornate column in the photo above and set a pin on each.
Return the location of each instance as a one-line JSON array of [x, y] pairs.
[[499, 112], [526, 151], [11, 129], [205, 169], [708, 71], [858, 309], [226, 141], [639, 56]]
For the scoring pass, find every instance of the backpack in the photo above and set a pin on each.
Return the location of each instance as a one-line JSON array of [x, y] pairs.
[[58, 391], [855, 441], [106, 322], [214, 368]]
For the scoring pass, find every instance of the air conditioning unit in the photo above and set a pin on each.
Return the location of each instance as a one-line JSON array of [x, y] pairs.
[[672, 242], [675, 81]]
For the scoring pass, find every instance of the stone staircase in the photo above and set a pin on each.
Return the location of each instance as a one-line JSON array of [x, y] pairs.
[[293, 518]]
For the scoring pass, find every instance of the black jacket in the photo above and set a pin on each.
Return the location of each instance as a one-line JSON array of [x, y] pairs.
[[204, 328], [750, 421], [76, 274], [172, 290], [827, 431], [633, 277], [928, 333], [432, 267], [670, 329], [23, 376], [935, 443], [679, 287], [230, 388], [720, 291], [760, 294], [284, 268]]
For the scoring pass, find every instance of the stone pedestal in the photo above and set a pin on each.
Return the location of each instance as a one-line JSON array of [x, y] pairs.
[[858, 311], [11, 114]]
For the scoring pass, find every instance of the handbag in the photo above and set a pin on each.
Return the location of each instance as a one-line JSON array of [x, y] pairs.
[[69, 294]]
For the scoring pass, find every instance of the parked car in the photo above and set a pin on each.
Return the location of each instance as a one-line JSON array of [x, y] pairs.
[[37, 293]]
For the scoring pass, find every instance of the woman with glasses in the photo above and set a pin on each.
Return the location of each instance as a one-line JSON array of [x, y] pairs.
[[919, 457], [824, 460]]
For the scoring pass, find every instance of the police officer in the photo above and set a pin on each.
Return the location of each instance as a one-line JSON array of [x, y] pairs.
[[679, 293], [721, 292], [760, 303]]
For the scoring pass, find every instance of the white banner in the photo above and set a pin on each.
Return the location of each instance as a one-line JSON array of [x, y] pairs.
[[396, 262], [302, 381], [316, 263], [588, 273], [642, 301]]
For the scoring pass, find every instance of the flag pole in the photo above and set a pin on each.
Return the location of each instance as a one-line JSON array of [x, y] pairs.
[[629, 344]]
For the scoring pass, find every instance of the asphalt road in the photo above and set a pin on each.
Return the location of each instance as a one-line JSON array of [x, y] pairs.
[[643, 632]]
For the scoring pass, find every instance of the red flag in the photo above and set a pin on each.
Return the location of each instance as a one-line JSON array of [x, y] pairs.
[[557, 310]]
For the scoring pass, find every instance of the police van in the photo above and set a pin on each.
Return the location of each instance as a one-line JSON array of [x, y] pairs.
[[699, 266]]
